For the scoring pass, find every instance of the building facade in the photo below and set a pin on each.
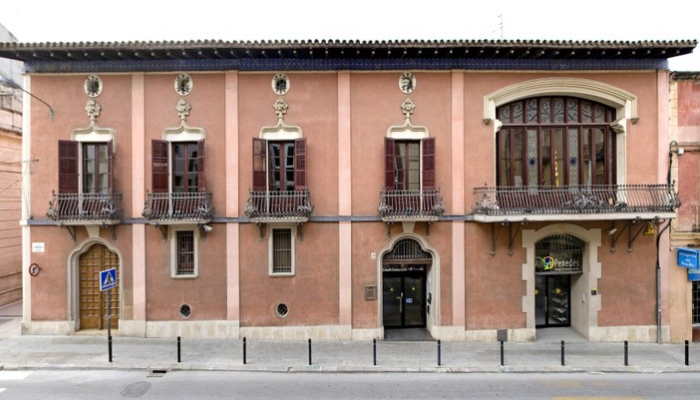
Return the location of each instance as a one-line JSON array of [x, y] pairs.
[[685, 230], [10, 176], [332, 190]]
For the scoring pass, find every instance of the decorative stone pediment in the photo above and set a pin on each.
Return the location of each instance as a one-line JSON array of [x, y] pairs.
[[184, 132], [94, 133], [407, 130], [281, 131]]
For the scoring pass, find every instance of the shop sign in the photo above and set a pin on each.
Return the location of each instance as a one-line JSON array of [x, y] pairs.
[[403, 268], [554, 264], [688, 258], [693, 274]]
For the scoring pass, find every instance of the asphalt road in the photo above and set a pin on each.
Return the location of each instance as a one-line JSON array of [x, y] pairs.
[[261, 385]]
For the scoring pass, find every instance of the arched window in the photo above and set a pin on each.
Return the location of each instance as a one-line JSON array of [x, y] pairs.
[[555, 141]]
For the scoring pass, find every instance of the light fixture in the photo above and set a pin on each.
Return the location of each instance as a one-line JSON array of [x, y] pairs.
[[612, 231], [4, 80]]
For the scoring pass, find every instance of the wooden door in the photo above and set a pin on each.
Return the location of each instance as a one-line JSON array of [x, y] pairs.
[[93, 302]]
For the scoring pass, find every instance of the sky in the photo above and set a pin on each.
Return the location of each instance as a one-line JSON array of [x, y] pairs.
[[148, 20]]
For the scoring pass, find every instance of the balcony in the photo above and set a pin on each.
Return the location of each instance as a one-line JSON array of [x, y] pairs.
[[266, 206], [178, 208], [585, 202], [410, 205], [86, 208]]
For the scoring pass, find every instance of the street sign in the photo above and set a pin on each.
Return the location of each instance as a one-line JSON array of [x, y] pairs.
[[108, 279], [688, 258]]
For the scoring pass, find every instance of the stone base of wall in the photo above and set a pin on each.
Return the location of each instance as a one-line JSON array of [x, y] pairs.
[[368, 334], [317, 332], [48, 328], [192, 329], [642, 334]]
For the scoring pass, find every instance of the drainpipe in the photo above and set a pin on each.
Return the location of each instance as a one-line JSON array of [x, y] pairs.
[[658, 284]]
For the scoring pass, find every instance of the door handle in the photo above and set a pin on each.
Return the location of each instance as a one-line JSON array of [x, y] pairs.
[[400, 302]]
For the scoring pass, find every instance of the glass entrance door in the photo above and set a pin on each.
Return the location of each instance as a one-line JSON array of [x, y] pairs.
[[404, 299], [552, 305]]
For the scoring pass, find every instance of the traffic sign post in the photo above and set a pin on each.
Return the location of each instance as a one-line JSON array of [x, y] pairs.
[[108, 280]]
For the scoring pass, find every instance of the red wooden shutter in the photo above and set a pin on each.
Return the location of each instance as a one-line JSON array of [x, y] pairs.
[[68, 176], [200, 165], [259, 164], [110, 166], [389, 150], [160, 168], [300, 164], [428, 163]]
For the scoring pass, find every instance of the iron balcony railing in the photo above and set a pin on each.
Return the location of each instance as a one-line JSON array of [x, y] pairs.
[[579, 199], [400, 204], [85, 207], [289, 204], [163, 207]]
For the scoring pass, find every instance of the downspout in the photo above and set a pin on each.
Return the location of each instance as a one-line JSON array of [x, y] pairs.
[[658, 284], [671, 150]]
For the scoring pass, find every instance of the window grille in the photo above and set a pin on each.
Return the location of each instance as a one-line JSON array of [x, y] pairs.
[[185, 253], [407, 249], [557, 244], [696, 302], [281, 251]]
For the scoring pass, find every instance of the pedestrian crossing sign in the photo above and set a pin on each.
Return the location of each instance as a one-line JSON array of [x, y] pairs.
[[108, 279]]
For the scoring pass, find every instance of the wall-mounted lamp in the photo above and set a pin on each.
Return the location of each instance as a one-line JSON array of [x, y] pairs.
[[612, 231], [4, 80]]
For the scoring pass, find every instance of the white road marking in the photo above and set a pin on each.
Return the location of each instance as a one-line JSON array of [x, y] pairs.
[[2, 390], [14, 375]]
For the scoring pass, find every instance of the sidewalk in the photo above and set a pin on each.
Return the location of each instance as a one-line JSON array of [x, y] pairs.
[[91, 352]]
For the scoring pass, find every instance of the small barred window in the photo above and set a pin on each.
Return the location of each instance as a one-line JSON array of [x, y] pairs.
[[185, 253], [282, 251]]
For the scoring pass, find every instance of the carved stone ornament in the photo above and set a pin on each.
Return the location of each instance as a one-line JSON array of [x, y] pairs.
[[280, 84], [183, 84], [407, 82], [93, 109], [617, 128], [93, 86], [280, 107], [183, 109], [408, 108]]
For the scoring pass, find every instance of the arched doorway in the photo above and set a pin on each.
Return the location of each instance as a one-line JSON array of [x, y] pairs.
[[93, 302], [405, 297], [558, 267]]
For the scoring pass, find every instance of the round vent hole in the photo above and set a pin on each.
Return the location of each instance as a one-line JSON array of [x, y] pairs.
[[185, 311], [282, 310]]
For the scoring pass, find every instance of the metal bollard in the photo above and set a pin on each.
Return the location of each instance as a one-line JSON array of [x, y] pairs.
[[309, 351], [502, 354], [178, 349], [687, 353], [439, 353], [244, 351], [562, 353], [374, 351], [109, 347], [626, 356]]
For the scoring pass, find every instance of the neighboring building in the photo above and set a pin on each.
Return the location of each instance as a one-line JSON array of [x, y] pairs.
[[332, 190], [10, 177], [685, 230]]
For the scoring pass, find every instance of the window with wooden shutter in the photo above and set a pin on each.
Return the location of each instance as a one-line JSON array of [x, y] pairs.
[[259, 164], [110, 166], [428, 163], [200, 165], [68, 173], [159, 168], [300, 164], [389, 155]]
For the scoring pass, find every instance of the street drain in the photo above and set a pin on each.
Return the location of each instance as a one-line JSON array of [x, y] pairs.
[[157, 373]]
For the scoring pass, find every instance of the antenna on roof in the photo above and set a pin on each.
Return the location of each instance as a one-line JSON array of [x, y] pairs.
[[500, 24]]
